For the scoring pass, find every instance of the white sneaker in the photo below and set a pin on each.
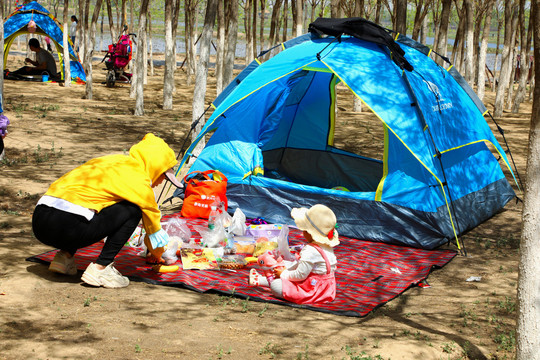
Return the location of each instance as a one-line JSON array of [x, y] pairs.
[[109, 277], [63, 265]]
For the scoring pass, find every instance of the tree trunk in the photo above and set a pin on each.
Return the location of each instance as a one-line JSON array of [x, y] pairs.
[[401, 17], [91, 36], [285, 20], [525, 38], [249, 34], [65, 43], [131, 16], [442, 37], [230, 54], [112, 28], [528, 294], [422, 9], [261, 25], [202, 72], [254, 27], [220, 53], [189, 17], [168, 75], [506, 64], [481, 88], [274, 23], [124, 13], [176, 16], [513, 51], [84, 30], [139, 66], [469, 40], [299, 17], [150, 45], [495, 64]]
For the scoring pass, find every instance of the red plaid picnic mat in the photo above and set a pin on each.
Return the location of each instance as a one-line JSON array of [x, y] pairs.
[[369, 274]]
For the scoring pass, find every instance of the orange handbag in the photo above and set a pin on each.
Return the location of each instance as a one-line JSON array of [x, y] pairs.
[[201, 194]]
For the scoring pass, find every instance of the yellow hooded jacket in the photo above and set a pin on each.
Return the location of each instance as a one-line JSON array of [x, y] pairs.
[[107, 180]]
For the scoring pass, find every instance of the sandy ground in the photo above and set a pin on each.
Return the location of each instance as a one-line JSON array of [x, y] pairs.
[[48, 316]]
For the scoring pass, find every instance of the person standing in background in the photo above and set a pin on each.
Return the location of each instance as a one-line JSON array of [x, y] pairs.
[[73, 28]]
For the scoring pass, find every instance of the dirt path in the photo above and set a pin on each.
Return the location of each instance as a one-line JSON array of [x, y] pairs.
[[48, 316]]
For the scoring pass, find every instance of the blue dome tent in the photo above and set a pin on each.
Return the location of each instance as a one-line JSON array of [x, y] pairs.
[[274, 131], [17, 24]]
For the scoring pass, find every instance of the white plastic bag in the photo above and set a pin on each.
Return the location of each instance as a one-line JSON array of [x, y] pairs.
[[177, 227], [238, 223]]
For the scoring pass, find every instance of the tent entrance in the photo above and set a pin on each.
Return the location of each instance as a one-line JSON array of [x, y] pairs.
[[323, 169], [338, 157]]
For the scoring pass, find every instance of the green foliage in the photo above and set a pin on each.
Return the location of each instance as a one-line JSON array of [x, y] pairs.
[[270, 349], [506, 341]]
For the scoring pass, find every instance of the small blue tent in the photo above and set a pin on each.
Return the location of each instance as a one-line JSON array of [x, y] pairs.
[[274, 127], [16, 24]]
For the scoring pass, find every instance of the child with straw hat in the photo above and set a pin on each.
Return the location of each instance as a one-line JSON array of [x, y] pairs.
[[311, 279]]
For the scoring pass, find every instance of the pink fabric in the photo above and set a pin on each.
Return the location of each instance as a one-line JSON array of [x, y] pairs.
[[315, 288]]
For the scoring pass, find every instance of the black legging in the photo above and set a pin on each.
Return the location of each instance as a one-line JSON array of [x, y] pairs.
[[70, 232]]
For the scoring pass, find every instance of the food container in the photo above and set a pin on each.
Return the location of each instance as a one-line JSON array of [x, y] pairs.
[[232, 262]]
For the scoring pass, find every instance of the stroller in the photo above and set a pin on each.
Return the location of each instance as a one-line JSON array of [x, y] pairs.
[[118, 57]]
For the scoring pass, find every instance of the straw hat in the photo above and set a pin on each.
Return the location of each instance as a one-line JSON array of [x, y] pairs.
[[319, 221]]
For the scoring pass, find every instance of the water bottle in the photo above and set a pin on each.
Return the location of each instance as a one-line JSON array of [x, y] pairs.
[[212, 218]]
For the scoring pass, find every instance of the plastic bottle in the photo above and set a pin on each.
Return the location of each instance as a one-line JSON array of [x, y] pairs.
[[212, 218]]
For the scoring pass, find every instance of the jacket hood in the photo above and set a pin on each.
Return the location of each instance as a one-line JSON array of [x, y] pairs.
[[154, 155]]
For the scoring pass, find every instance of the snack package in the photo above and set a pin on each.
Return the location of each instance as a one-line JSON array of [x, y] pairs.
[[232, 262], [269, 237], [244, 245], [199, 259]]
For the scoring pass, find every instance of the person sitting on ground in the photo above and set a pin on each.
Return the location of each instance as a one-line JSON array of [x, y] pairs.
[[105, 197], [44, 64], [311, 280]]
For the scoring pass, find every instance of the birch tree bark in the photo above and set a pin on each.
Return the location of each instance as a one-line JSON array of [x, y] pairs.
[[506, 64], [525, 39], [481, 88], [65, 43], [528, 292], [190, 13], [469, 44], [139, 66], [230, 53], [299, 17], [220, 53], [84, 30], [150, 45], [202, 72], [513, 58], [168, 75], [91, 36], [500, 22]]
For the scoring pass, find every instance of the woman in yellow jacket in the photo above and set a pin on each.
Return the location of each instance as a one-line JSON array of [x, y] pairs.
[[105, 197]]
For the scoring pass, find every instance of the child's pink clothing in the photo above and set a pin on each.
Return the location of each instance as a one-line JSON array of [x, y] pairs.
[[316, 288]]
